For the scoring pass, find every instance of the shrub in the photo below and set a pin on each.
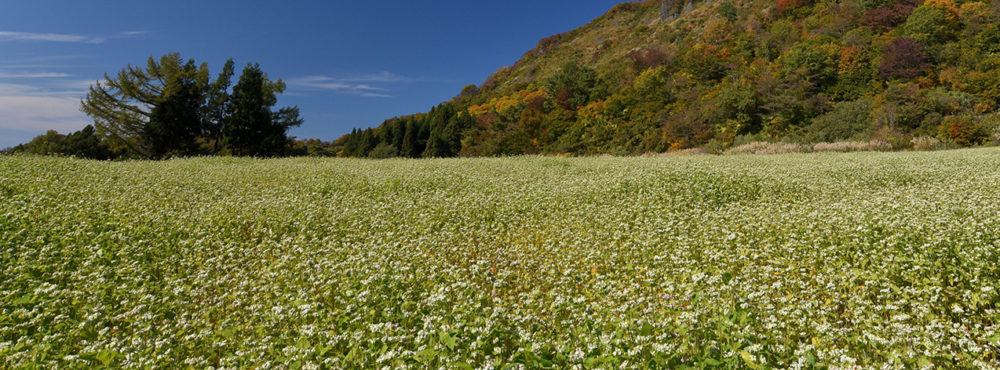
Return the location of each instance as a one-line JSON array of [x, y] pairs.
[[992, 124], [853, 146], [760, 147], [927, 143], [895, 138], [680, 153], [964, 130], [648, 57], [846, 121], [383, 151]]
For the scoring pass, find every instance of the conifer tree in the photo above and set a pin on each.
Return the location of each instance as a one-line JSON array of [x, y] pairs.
[[175, 120], [410, 147], [250, 128], [121, 106], [214, 111]]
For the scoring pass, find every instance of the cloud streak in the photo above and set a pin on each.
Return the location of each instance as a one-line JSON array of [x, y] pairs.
[[377, 77], [33, 75], [360, 85], [64, 38], [48, 37]]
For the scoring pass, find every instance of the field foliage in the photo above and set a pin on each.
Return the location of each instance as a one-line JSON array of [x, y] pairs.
[[791, 260]]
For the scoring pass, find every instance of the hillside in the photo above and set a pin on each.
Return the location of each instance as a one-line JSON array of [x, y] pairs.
[[658, 76]]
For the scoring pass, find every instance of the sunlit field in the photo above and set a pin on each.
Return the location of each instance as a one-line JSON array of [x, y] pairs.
[[799, 260]]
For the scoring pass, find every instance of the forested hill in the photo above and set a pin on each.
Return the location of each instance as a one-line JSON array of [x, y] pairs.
[[657, 76]]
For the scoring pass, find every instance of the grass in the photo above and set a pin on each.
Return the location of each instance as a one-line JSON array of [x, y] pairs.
[[791, 260]]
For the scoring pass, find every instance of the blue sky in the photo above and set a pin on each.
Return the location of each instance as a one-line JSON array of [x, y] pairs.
[[347, 63]]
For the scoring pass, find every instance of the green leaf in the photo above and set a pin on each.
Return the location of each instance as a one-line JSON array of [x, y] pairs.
[[303, 344], [995, 339], [227, 333], [89, 357], [21, 301], [924, 362], [646, 330], [748, 358], [426, 355], [447, 340], [105, 357], [727, 277]]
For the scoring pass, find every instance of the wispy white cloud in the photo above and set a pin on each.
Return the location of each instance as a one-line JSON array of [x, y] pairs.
[[33, 75], [134, 33], [327, 83], [62, 37], [377, 77], [47, 63], [361, 84], [50, 37]]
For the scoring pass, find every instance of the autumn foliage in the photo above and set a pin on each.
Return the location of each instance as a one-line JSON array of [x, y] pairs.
[[885, 18], [718, 74], [903, 58]]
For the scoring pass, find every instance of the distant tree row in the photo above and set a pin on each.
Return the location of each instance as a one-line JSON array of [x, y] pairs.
[[82, 144], [172, 108], [436, 134]]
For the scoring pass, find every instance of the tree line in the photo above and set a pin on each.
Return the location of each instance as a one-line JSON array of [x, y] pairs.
[[172, 108], [432, 135]]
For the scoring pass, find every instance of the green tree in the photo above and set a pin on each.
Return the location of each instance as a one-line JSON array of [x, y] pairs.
[[410, 147], [573, 85], [121, 106], [847, 121], [85, 144], [214, 110], [175, 121], [812, 62], [81, 144], [51, 142], [930, 26], [250, 127]]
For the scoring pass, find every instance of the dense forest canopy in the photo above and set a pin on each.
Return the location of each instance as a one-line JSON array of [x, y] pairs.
[[657, 76]]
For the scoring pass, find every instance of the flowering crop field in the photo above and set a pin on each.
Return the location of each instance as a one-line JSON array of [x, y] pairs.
[[799, 260]]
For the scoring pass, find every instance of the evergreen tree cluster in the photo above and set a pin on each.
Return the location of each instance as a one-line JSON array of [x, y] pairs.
[[437, 134], [172, 108]]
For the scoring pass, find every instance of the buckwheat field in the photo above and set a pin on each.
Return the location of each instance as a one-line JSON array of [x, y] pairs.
[[862, 260]]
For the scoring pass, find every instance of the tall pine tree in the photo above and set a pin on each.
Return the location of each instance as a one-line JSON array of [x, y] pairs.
[[250, 128], [175, 120], [214, 110]]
